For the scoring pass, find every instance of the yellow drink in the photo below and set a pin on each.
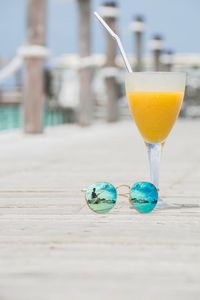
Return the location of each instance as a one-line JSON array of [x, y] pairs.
[[155, 113]]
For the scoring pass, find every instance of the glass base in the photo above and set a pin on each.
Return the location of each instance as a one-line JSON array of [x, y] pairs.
[[162, 204]]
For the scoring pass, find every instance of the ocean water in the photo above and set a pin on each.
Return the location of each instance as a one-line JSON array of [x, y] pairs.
[[11, 117]]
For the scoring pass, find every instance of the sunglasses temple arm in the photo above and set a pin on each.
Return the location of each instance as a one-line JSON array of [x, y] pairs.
[[82, 191]]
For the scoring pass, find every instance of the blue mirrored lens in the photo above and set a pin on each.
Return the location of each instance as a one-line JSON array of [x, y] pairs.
[[144, 196], [101, 197]]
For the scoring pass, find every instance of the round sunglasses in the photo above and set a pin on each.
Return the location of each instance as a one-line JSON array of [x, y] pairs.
[[101, 197]]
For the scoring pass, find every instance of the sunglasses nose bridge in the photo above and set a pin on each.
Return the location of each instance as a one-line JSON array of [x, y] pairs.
[[125, 194], [123, 185]]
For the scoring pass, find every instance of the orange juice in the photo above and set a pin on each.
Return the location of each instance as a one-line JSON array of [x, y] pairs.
[[155, 113]]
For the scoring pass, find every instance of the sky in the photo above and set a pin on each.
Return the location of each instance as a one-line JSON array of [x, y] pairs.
[[177, 20]]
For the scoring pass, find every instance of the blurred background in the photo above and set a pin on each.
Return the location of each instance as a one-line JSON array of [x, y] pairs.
[[58, 65]]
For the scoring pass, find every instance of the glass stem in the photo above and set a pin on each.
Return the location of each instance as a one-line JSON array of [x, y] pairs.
[[154, 156]]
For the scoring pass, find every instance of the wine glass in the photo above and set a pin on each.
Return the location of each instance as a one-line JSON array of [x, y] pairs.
[[155, 100]]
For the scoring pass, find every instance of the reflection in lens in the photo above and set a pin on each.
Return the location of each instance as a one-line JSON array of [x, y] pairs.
[[144, 196], [101, 197]]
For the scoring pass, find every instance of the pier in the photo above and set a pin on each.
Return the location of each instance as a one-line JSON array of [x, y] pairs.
[[53, 246]]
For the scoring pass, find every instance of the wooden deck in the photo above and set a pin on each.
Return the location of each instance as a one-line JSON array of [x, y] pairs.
[[53, 247]]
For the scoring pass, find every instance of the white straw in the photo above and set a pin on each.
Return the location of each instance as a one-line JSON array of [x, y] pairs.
[[116, 37]]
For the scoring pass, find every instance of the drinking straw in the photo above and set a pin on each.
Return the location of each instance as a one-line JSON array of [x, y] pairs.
[[116, 37]]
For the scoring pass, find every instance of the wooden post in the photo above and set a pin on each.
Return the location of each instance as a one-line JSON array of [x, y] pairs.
[[157, 46], [86, 99], [109, 11], [34, 65], [167, 60], [137, 27]]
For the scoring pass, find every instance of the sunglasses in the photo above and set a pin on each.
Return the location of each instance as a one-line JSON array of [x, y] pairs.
[[101, 197]]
